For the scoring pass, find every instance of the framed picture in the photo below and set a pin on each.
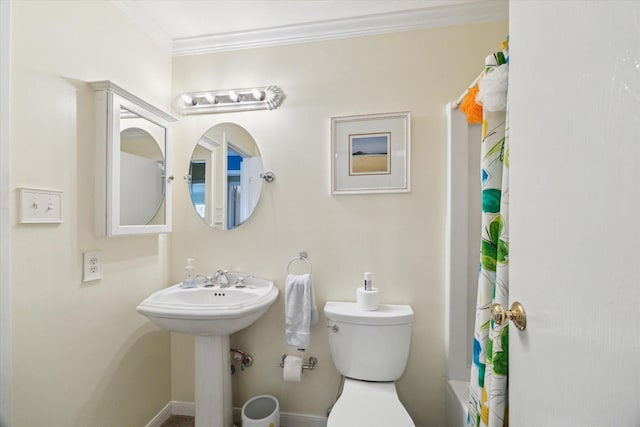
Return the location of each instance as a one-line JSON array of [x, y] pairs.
[[370, 153]]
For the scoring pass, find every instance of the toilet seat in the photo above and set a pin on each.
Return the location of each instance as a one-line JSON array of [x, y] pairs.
[[371, 404]]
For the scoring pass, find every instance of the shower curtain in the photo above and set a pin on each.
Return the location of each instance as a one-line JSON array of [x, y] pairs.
[[489, 370]]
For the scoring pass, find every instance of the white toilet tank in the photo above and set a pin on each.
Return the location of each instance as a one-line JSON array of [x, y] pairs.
[[369, 345]]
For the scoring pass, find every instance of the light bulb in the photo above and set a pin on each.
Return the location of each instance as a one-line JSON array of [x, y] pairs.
[[233, 95], [258, 94], [211, 99], [188, 99]]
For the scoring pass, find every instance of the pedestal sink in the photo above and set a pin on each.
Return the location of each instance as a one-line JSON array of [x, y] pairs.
[[211, 314]]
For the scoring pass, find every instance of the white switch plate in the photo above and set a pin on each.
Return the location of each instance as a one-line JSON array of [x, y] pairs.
[[40, 206], [91, 266]]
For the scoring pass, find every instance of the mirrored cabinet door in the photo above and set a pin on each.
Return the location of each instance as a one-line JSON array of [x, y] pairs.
[[133, 165]]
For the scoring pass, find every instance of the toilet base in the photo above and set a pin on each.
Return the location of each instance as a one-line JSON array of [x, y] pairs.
[[371, 404]]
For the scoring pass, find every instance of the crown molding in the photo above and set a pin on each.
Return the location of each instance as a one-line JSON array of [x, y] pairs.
[[431, 17], [428, 17]]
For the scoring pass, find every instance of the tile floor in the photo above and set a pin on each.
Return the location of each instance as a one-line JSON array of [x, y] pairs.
[[179, 421]]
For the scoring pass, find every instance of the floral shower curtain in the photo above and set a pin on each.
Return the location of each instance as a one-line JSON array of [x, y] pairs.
[[489, 370]]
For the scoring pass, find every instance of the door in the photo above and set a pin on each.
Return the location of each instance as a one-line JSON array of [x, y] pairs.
[[574, 93], [6, 202], [251, 184]]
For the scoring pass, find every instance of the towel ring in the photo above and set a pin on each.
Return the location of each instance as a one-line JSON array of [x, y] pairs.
[[302, 256]]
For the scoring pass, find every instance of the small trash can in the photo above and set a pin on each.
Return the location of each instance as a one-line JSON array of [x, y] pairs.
[[261, 411]]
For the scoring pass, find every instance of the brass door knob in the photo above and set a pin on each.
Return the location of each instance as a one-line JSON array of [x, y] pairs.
[[516, 315]]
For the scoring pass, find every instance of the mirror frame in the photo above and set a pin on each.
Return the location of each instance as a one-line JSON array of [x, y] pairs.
[[109, 99]]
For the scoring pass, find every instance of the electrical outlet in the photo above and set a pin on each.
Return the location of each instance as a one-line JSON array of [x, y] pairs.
[[92, 266]]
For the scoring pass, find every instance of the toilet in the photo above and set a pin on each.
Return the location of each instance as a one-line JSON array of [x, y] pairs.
[[370, 349]]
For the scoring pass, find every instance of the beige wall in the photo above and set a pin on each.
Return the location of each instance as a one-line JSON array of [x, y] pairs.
[[399, 237], [82, 356]]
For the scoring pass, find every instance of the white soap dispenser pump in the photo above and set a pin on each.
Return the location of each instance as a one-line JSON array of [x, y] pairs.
[[189, 279]]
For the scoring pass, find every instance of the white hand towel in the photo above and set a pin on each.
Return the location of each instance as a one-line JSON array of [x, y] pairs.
[[300, 310]]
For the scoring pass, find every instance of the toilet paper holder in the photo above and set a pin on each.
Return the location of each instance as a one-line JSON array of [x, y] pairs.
[[310, 366]]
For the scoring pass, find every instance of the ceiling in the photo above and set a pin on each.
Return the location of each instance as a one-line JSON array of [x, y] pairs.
[[185, 27]]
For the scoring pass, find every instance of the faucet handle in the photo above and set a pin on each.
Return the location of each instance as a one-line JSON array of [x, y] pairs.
[[240, 281]]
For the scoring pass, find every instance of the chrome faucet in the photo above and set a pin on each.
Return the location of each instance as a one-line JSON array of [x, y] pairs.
[[221, 277]]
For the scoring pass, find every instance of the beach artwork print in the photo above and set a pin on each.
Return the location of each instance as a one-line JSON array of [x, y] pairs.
[[370, 154]]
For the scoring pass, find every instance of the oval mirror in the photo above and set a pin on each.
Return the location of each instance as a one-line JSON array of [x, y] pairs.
[[142, 177], [224, 176]]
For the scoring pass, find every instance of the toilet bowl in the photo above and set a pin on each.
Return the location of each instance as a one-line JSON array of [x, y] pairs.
[[370, 349]]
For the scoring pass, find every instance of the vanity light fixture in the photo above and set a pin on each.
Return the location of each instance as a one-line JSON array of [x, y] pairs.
[[228, 100]]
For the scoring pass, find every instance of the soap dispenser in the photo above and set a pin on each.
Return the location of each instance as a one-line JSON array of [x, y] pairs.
[[189, 279]]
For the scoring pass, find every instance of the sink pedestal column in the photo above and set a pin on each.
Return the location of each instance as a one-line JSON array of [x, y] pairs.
[[213, 381]]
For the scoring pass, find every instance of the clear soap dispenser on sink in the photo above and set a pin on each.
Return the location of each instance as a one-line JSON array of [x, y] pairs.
[[189, 279]]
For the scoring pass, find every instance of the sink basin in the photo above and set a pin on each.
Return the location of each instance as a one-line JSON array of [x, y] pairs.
[[210, 310]]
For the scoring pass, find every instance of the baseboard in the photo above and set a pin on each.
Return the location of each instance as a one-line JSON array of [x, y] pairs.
[[287, 419], [301, 420], [162, 416], [183, 408], [172, 408]]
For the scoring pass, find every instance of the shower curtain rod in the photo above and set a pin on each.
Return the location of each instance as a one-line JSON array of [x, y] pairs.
[[458, 101]]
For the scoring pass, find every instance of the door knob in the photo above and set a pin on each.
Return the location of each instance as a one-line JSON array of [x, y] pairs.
[[516, 315]]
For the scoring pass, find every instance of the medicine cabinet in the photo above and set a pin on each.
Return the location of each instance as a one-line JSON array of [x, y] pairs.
[[132, 164]]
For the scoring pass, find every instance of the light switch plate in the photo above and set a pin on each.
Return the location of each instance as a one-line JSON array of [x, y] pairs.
[[40, 206]]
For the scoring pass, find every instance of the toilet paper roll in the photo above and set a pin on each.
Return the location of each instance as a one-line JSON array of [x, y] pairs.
[[292, 370], [368, 300]]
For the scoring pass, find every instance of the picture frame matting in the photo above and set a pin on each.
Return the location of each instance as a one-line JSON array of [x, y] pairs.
[[370, 153]]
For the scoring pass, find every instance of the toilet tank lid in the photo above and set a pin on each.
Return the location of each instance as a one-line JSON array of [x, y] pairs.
[[386, 314]]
